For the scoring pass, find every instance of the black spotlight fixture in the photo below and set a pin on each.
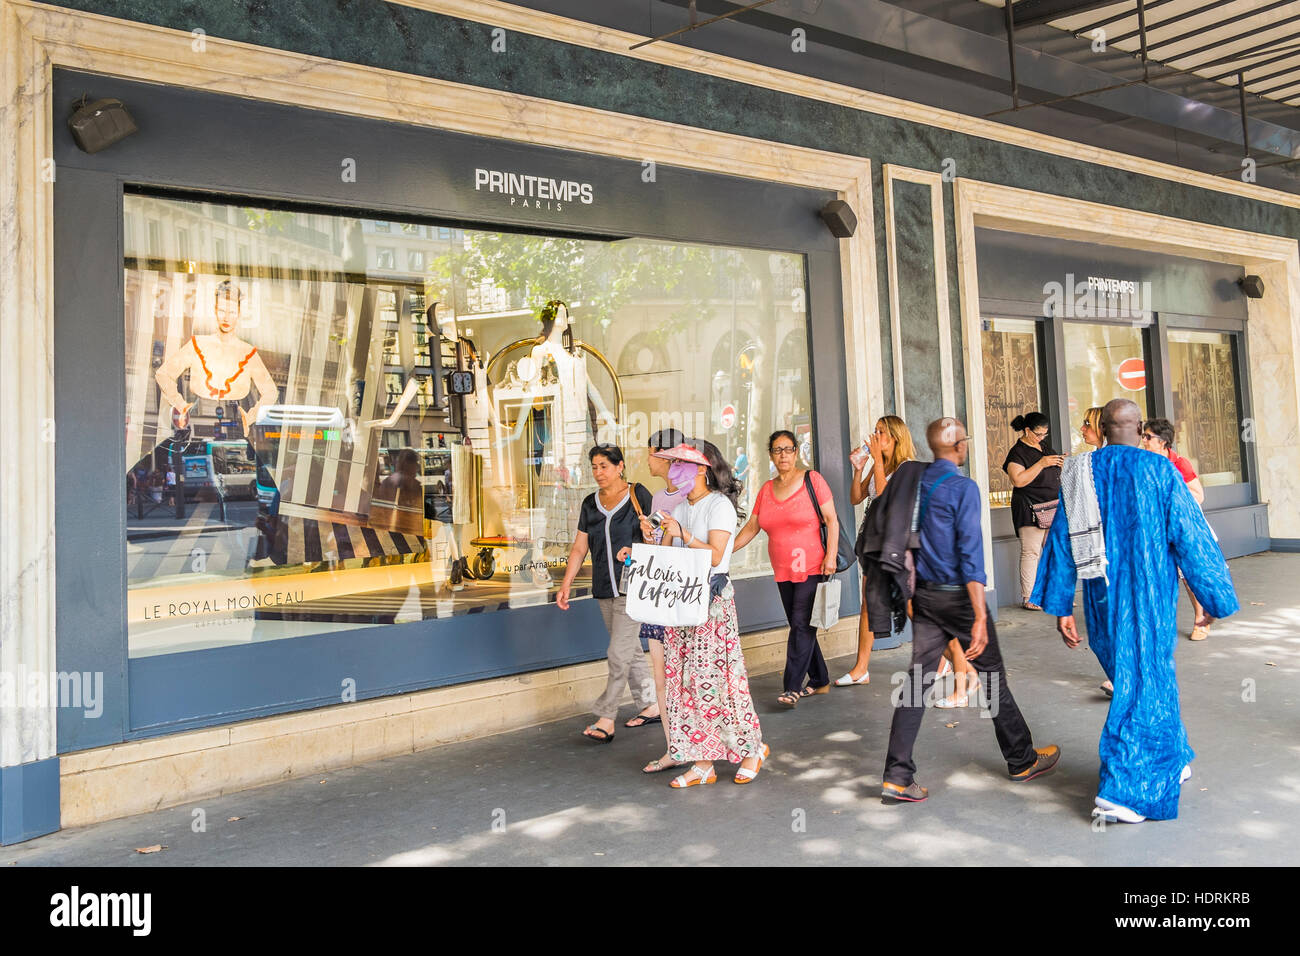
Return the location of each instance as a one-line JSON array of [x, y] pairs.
[[100, 124], [839, 218], [1252, 286]]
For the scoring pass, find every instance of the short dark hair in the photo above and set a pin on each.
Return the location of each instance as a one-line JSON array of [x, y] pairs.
[[1023, 423], [612, 453], [1162, 428], [781, 433], [668, 438]]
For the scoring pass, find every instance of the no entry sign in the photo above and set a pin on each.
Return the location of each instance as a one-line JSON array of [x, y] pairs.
[[1132, 374], [728, 417]]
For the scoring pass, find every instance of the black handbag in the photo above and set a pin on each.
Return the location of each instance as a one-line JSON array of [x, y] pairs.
[[845, 555]]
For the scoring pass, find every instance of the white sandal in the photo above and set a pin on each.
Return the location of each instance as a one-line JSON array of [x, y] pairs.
[[745, 775], [848, 681], [683, 780]]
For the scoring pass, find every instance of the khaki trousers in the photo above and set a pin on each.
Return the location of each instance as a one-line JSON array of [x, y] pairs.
[[627, 662], [1031, 547]]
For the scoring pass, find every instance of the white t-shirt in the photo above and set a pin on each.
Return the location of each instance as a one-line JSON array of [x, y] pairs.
[[713, 512]]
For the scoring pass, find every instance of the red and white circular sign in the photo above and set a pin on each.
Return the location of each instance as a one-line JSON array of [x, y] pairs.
[[1132, 374], [728, 418]]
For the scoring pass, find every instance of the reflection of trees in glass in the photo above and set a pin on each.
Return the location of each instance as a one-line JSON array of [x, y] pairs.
[[603, 276]]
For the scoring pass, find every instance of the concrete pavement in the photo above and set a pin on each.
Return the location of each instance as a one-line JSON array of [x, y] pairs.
[[548, 796]]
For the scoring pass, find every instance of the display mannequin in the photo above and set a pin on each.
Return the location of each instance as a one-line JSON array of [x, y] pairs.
[[222, 367]]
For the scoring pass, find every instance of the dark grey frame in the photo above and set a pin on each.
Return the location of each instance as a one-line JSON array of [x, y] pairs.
[[231, 147]]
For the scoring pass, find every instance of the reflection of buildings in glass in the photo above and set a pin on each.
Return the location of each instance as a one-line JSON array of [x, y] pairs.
[[342, 335]]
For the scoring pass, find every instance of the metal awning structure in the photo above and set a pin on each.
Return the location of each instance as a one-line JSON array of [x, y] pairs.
[[1219, 81], [1216, 40]]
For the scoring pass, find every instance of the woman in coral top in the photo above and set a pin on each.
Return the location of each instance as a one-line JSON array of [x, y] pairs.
[[785, 510]]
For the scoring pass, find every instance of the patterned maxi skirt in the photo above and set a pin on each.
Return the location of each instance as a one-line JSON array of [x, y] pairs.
[[709, 710]]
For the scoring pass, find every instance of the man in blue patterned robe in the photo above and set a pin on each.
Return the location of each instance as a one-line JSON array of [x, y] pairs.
[[1152, 527]]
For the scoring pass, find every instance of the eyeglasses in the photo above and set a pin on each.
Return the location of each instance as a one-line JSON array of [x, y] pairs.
[[783, 450], [960, 440], [1039, 432]]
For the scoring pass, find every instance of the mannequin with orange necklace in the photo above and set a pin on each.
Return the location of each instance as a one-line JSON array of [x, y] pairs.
[[221, 366]]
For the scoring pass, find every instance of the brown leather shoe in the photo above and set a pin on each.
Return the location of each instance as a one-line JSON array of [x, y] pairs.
[[1047, 758]]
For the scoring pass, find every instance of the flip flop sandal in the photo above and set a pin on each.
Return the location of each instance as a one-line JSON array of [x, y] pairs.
[[659, 766], [656, 719], [604, 737]]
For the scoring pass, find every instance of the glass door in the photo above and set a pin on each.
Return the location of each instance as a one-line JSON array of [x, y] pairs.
[[1102, 361]]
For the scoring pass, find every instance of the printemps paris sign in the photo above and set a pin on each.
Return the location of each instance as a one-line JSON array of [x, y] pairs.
[[528, 191]]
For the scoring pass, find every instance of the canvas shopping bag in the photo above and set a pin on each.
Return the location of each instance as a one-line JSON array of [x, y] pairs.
[[668, 586], [826, 604]]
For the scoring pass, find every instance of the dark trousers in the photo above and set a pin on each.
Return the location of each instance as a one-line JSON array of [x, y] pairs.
[[937, 618], [803, 655]]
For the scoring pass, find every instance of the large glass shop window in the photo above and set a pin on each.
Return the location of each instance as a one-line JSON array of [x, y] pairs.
[[294, 467]]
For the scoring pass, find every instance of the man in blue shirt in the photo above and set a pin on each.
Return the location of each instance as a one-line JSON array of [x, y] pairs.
[[949, 603]]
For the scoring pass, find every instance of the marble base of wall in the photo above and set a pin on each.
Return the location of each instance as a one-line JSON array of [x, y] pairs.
[[145, 775]]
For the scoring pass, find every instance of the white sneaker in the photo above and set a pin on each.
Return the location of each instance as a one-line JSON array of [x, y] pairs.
[[1115, 813], [1186, 774], [848, 681]]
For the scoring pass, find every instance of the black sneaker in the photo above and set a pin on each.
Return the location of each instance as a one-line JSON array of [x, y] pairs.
[[912, 793], [1047, 758]]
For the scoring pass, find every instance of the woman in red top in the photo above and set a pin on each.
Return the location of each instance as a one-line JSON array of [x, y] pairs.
[[1158, 436], [785, 511]]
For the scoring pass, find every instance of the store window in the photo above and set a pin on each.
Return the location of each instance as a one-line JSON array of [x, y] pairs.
[[1011, 387], [289, 401], [1206, 414], [1102, 362]]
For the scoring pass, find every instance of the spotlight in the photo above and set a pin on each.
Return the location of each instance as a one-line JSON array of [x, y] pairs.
[[839, 218], [100, 124], [1252, 286]]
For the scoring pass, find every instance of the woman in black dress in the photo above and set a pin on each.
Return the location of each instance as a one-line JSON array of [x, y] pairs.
[[1035, 470]]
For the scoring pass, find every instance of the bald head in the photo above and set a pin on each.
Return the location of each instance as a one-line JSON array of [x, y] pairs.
[[1121, 422], [947, 439]]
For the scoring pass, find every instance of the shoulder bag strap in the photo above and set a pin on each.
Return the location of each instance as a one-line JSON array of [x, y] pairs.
[[817, 509], [636, 505]]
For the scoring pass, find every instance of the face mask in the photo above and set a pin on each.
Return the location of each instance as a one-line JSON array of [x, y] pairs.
[[682, 473]]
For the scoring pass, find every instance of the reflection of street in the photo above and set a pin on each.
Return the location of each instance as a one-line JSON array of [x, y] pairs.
[[161, 544]]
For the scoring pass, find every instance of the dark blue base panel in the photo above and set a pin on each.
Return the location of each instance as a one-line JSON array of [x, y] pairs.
[[184, 691], [29, 800]]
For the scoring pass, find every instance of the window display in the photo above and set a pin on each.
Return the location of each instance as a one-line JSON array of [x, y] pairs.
[[1207, 422], [351, 445], [1011, 388]]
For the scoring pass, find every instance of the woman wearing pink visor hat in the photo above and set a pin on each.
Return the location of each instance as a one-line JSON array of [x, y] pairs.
[[708, 708]]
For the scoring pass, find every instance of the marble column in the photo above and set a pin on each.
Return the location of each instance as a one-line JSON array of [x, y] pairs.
[[28, 765]]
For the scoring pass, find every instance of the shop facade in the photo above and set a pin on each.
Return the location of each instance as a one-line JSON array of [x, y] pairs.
[[371, 316], [1070, 325]]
